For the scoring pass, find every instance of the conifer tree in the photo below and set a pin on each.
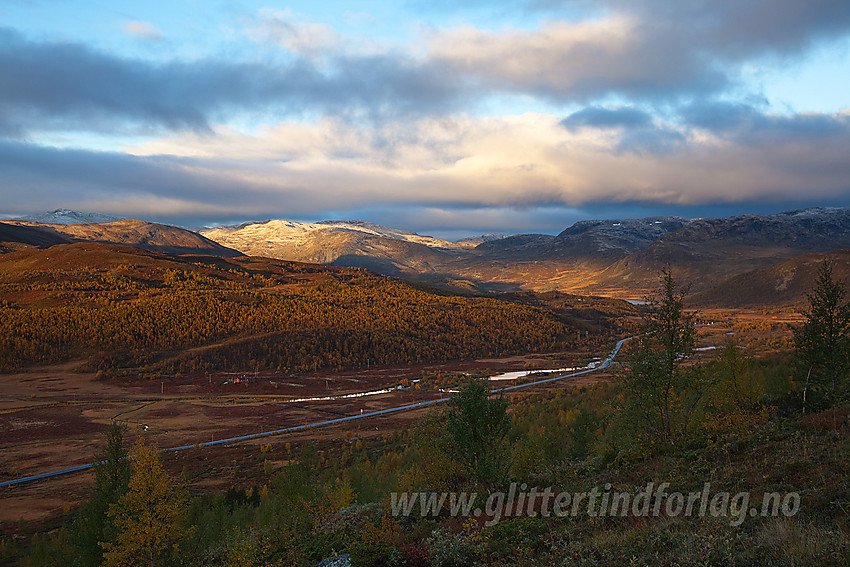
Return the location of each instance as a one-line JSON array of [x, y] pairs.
[[477, 427], [660, 392], [823, 340], [148, 516], [93, 525]]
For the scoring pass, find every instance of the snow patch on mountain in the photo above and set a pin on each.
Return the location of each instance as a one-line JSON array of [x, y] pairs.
[[67, 216], [293, 233]]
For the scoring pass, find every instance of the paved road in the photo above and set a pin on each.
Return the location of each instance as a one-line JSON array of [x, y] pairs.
[[603, 365]]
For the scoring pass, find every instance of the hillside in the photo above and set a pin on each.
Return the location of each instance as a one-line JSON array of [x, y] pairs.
[[708, 251], [614, 238], [617, 258], [596, 239], [13, 237], [622, 258], [570, 261], [283, 236], [495, 262], [352, 243], [140, 234], [124, 308], [346, 243], [780, 285]]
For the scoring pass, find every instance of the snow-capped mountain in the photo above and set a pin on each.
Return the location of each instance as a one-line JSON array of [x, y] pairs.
[[350, 243], [67, 216], [283, 234], [607, 257]]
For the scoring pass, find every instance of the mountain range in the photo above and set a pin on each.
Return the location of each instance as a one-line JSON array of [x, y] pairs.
[[616, 257], [359, 244], [16, 233], [67, 216], [747, 255]]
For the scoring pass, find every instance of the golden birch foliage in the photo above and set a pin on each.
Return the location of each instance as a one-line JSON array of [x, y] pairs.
[[148, 516]]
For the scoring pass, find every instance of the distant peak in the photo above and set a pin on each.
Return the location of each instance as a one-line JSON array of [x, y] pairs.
[[355, 222], [489, 237], [67, 216]]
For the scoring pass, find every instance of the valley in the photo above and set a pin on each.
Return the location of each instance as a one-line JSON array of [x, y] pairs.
[[54, 416], [207, 344]]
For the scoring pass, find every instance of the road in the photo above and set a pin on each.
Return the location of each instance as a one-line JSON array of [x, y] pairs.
[[603, 365]]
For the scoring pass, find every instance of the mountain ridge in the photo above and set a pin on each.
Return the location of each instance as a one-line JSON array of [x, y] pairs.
[[140, 234], [784, 284], [613, 257], [67, 216], [296, 231], [707, 251]]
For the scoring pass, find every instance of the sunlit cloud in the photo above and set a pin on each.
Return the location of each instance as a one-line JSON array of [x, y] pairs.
[[142, 30], [519, 161]]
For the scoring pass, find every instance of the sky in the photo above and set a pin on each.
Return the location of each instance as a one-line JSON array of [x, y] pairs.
[[444, 119]]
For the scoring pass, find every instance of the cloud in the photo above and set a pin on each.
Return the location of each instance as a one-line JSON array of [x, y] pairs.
[[748, 126], [69, 86], [454, 223], [65, 86], [736, 30], [720, 116], [651, 50], [525, 161], [599, 117], [303, 38], [398, 127], [142, 30], [657, 141], [645, 53], [565, 61], [640, 134]]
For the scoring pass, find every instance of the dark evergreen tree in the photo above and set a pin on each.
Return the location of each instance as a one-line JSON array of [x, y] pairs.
[[93, 524], [660, 392], [477, 427], [823, 341]]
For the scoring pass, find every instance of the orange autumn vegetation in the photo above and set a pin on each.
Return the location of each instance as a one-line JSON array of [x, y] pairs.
[[121, 308]]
